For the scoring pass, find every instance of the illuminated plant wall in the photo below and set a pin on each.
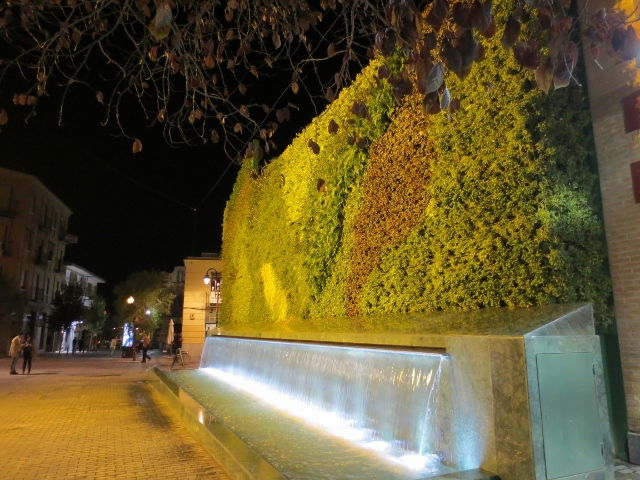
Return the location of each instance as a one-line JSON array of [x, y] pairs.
[[376, 207]]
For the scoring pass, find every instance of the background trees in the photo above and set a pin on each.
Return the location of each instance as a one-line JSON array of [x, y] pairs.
[[96, 316], [68, 306], [152, 299]]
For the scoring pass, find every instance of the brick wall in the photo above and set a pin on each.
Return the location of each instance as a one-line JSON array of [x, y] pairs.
[[616, 151]]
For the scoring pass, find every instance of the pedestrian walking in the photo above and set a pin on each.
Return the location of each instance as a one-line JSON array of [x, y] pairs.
[[112, 346], [81, 345], [146, 340], [14, 352], [27, 351], [176, 346]]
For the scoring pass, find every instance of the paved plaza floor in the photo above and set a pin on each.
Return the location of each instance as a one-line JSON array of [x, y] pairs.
[[91, 416]]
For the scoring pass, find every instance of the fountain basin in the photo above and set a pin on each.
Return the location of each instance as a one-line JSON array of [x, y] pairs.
[[523, 397]]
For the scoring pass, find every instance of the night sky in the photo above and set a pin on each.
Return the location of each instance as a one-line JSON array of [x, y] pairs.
[[131, 211]]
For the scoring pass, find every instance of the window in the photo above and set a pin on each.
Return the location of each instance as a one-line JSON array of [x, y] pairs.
[[635, 180], [5, 198], [28, 239], [631, 110], [34, 287]]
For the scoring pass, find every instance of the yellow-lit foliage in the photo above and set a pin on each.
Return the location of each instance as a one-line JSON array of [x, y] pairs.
[[511, 185], [272, 290], [291, 216], [394, 193], [494, 205]]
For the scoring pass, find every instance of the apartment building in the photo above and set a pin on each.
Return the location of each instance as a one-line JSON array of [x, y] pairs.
[[33, 239], [88, 281]]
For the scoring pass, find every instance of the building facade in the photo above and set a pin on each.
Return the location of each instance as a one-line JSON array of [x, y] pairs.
[[33, 239], [614, 95], [88, 281], [202, 301]]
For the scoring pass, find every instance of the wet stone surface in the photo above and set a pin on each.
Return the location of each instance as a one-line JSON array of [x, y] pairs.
[[626, 471]]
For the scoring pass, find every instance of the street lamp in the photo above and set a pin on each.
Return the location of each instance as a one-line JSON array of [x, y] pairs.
[[211, 273], [130, 299]]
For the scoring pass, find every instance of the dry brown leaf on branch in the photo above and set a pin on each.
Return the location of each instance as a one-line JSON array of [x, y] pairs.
[[160, 25], [137, 146], [4, 117], [315, 148]]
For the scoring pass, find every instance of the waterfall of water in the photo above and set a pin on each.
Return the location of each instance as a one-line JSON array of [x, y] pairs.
[[385, 400]]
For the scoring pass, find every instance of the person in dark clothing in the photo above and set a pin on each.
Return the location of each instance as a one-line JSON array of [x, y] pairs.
[[176, 346], [74, 346], [81, 345], [27, 351], [146, 340]]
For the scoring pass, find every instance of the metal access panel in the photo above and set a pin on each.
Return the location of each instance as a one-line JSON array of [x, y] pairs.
[[571, 428]]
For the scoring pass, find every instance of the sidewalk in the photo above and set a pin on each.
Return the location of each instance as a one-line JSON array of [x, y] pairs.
[[91, 416]]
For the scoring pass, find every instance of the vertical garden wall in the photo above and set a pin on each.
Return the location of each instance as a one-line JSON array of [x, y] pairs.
[[494, 205]]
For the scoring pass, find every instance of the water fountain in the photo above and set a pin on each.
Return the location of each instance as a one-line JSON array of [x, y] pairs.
[[515, 392]]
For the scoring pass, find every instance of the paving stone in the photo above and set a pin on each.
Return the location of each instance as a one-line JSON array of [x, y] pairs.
[[95, 417]]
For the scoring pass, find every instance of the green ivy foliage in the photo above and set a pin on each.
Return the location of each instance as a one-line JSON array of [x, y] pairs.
[[495, 205], [284, 228], [512, 218]]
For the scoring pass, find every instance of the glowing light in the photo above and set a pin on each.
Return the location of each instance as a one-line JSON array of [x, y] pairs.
[[414, 462], [147, 312], [130, 300], [326, 420]]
